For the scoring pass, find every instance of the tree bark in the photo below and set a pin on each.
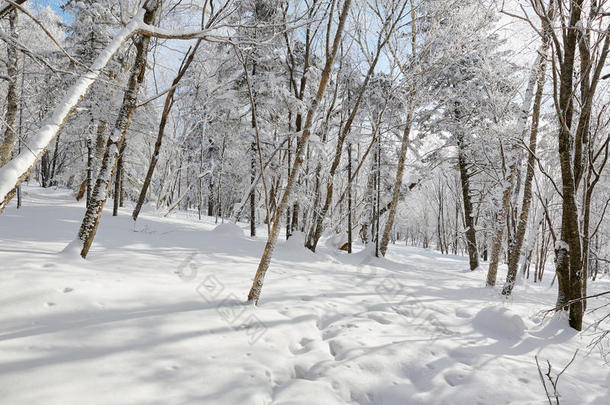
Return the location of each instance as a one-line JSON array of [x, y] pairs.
[[349, 198], [568, 249], [514, 253], [471, 237], [167, 106], [513, 158], [118, 182], [10, 118], [257, 285], [253, 192], [115, 141], [397, 185]]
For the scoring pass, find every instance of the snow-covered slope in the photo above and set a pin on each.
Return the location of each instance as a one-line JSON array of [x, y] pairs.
[[156, 315]]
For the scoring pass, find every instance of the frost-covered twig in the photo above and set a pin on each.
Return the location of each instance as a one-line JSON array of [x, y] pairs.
[[47, 33]]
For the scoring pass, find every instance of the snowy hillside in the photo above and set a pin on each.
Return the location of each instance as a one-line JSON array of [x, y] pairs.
[[156, 315]]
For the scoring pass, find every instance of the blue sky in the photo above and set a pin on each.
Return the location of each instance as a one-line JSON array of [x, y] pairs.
[[55, 5]]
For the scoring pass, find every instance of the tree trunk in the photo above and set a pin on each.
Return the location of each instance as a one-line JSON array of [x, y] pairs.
[[115, 141], [167, 106], [471, 237], [349, 198], [513, 158], [377, 211], [567, 249], [253, 193], [397, 184], [288, 227], [514, 252], [118, 182], [10, 118], [257, 285]]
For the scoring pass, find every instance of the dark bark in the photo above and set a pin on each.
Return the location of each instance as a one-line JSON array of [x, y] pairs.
[[349, 198], [115, 141], [257, 285], [471, 237], [568, 251], [118, 180], [515, 248]]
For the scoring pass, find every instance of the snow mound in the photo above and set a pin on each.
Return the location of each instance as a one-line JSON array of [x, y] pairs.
[[499, 323], [294, 249], [229, 230], [296, 241], [337, 240], [72, 250]]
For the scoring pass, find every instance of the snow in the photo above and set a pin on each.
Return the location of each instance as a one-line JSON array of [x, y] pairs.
[[562, 245], [499, 323], [229, 229], [157, 315]]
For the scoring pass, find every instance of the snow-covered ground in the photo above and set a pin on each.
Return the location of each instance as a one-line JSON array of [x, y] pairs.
[[156, 315]]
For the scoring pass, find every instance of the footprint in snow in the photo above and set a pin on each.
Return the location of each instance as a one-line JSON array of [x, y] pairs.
[[379, 318], [50, 304], [462, 313], [67, 290], [457, 375], [301, 347]]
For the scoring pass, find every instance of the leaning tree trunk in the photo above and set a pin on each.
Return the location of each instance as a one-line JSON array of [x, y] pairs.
[[115, 141], [10, 119], [514, 253], [397, 184], [405, 139], [167, 106], [384, 36], [513, 158], [263, 266]]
